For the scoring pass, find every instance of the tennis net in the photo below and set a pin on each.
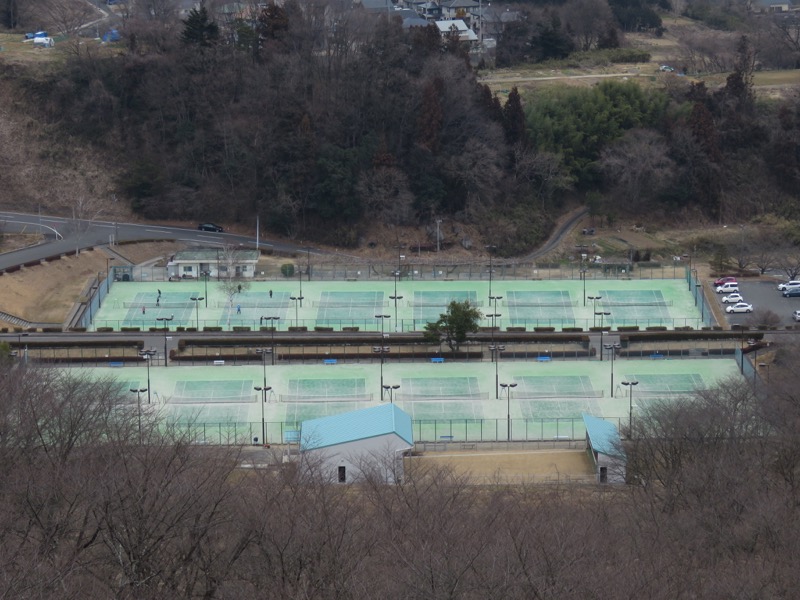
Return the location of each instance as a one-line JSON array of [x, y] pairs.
[[212, 399], [443, 304], [623, 303], [353, 304], [526, 395], [526, 304], [250, 304], [436, 397], [668, 392], [324, 398], [189, 304]]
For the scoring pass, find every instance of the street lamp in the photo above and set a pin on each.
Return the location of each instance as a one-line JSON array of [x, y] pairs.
[[138, 392], [496, 350], [272, 329], [296, 300], [613, 349], [390, 389], [381, 349], [165, 320], [396, 297], [205, 275], [594, 300], [263, 389], [629, 385], [601, 314], [300, 280], [197, 309], [147, 355], [22, 352], [108, 261], [507, 389]]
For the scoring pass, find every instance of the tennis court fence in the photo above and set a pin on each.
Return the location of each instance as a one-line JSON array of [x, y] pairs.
[[353, 304], [455, 397], [211, 399], [325, 398], [532, 304], [633, 303], [187, 304]]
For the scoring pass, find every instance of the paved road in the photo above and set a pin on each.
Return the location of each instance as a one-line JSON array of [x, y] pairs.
[[66, 235]]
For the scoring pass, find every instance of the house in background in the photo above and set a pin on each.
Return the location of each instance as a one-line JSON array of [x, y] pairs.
[[217, 262], [344, 447], [459, 28], [604, 447]]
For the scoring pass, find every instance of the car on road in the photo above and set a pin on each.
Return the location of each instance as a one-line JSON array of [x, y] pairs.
[[792, 292], [210, 227], [732, 298], [666, 69], [782, 287], [725, 288], [796, 315], [724, 280], [740, 307]]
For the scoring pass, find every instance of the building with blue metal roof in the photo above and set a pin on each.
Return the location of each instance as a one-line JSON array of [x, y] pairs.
[[344, 447], [604, 446]]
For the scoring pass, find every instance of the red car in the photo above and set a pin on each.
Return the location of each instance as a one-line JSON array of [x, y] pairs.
[[722, 280]]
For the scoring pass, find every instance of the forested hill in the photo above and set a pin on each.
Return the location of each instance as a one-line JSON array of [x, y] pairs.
[[324, 123]]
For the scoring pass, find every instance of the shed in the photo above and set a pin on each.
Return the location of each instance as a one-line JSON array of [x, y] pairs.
[[459, 27], [603, 445], [344, 447], [218, 262]]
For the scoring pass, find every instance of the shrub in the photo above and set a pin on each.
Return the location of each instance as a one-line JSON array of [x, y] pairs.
[[287, 270]]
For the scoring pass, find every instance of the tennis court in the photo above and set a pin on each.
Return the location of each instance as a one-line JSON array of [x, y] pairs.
[[337, 304], [455, 398]]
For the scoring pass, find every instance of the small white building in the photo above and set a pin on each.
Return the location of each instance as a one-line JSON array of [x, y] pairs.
[[344, 447], [217, 262], [457, 27], [604, 448]]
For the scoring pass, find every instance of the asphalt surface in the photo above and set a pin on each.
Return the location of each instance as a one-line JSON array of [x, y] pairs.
[[763, 295], [66, 235]]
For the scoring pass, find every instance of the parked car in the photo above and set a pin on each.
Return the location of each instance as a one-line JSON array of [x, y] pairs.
[[796, 315], [792, 292], [723, 280], [666, 69], [782, 287], [588, 231], [740, 307], [210, 227], [732, 298], [725, 288]]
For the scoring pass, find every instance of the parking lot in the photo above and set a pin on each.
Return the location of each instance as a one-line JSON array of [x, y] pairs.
[[763, 295]]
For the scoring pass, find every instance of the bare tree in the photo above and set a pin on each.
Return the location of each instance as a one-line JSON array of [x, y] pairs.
[[69, 16]]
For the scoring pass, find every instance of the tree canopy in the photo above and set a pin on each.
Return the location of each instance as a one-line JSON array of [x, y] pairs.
[[453, 326]]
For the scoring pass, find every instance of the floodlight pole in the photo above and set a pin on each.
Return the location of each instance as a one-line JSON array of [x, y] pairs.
[[613, 349], [491, 269], [594, 300], [108, 261], [165, 320], [138, 392], [630, 385], [396, 297], [197, 309], [381, 348], [205, 275], [602, 313], [272, 329], [263, 391], [496, 349], [147, 355], [507, 388], [391, 389]]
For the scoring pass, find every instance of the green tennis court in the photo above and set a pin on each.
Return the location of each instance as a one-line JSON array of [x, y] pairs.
[[195, 391], [428, 305], [416, 389], [349, 307], [331, 390]]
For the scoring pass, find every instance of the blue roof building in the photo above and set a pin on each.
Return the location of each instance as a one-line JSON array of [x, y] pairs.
[[345, 447], [603, 444]]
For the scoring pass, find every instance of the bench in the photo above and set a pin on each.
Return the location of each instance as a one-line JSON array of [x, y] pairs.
[[437, 360], [656, 356], [543, 359], [434, 446], [469, 446], [219, 363], [116, 364], [329, 361], [446, 438]]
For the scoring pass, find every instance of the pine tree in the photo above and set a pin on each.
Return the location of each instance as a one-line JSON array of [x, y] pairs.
[[199, 29]]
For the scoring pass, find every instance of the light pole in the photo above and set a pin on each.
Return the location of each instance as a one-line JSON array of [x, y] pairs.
[[147, 355], [296, 300], [272, 330], [629, 385], [108, 261], [438, 222], [381, 349], [197, 309], [496, 350], [263, 389], [138, 392], [601, 314], [507, 389], [613, 350], [205, 275], [396, 297], [702, 303], [583, 278], [300, 280], [765, 365], [391, 389], [594, 300], [308, 263], [22, 352], [491, 268], [166, 321]]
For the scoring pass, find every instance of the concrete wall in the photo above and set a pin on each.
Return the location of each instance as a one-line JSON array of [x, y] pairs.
[[380, 455]]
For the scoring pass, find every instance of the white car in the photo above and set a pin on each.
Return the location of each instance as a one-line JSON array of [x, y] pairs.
[[727, 288], [796, 315], [732, 298], [740, 307], [787, 285]]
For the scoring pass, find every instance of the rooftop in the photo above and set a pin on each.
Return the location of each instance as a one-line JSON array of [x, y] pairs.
[[356, 425]]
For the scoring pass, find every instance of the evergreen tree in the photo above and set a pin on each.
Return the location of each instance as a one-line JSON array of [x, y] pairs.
[[199, 29], [514, 119]]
